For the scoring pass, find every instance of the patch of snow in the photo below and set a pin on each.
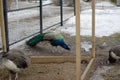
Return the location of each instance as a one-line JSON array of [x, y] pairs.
[[47, 2], [86, 45], [43, 1], [104, 3], [13, 16]]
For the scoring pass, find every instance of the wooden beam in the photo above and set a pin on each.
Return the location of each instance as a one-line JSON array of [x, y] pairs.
[[93, 28], [78, 54], [56, 59], [87, 70], [2, 27]]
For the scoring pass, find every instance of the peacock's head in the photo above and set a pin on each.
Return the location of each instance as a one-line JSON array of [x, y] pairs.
[[111, 60], [65, 46]]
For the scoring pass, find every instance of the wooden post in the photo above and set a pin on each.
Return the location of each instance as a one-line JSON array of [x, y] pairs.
[[78, 54], [93, 28], [87, 70], [2, 27]]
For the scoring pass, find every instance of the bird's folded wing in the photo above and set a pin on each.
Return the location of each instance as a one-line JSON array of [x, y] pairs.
[[114, 56], [50, 36]]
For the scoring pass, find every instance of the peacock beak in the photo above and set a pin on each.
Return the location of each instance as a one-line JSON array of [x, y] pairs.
[[68, 48]]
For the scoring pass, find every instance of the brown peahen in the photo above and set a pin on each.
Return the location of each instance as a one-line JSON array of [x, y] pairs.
[[114, 54], [13, 61]]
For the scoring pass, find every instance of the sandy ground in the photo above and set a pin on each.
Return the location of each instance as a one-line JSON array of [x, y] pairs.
[[67, 71], [50, 71]]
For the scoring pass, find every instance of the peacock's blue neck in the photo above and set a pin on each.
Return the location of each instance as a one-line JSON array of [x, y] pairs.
[[56, 42]]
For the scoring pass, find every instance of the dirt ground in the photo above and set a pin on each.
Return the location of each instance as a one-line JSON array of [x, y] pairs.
[[67, 71]]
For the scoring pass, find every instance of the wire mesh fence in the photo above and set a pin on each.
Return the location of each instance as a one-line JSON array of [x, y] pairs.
[[24, 17]]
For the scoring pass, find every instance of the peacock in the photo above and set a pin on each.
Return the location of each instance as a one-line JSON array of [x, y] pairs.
[[55, 39]]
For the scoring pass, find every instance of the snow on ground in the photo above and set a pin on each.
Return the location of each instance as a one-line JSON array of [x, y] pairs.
[[47, 2], [107, 21], [86, 45], [44, 1], [13, 16], [23, 14]]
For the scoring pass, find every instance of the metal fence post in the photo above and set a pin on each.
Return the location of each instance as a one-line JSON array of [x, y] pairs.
[[74, 8], [61, 12], [41, 22], [118, 2]]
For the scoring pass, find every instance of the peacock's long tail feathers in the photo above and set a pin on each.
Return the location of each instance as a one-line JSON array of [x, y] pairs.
[[36, 39]]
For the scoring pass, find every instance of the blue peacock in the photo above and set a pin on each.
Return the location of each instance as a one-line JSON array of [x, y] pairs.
[[55, 39]]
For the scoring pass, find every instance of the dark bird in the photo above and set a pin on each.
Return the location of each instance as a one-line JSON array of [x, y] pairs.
[[114, 54], [13, 61], [53, 38]]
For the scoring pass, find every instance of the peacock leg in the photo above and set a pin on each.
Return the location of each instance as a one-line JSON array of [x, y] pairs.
[[16, 76], [10, 77]]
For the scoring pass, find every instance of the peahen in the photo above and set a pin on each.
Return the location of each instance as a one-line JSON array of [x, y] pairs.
[[13, 61], [114, 54], [55, 39]]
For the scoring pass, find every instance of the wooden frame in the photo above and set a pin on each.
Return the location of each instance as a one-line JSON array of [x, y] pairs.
[[59, 59], [56, 59], [2, 26], [79, 75], [78, 58], [78, 54]]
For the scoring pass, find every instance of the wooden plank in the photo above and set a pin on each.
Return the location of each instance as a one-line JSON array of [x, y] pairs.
[[56, 59], [78, 54], [2, 27], [87, 70], [93, 28]]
